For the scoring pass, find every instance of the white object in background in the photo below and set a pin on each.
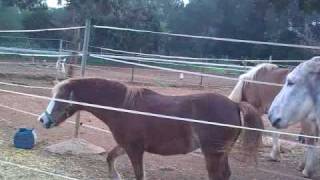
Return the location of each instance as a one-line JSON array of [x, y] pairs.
[[60, 65], [181, 76]]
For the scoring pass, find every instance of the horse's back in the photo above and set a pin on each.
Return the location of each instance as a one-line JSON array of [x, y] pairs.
[[219, 109], [166, 136], [262, 95]]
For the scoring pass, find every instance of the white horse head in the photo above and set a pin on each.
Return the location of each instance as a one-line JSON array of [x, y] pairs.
[[299, 99]]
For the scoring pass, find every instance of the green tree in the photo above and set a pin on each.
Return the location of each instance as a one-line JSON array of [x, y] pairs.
[[23, 4]]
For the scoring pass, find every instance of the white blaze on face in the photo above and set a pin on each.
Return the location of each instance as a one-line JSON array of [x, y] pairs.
[[50, 106], [43, 118]]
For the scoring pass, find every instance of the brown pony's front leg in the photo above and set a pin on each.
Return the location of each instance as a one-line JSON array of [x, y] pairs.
[[112, 155], [136, 157], [217, 165]]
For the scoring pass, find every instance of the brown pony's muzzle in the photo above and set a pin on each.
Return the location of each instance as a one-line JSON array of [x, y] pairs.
[[46, 120]]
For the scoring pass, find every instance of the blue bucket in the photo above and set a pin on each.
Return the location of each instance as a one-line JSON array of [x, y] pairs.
[[25, 138]]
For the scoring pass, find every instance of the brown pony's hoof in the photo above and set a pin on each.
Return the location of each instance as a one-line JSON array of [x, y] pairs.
[[114, 176], [273, 160]]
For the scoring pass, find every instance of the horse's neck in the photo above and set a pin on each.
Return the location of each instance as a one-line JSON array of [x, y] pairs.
[[110, 97]]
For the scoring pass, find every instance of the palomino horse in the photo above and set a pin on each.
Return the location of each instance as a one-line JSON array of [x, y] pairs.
[[299, 101], [261, 97], [136, 134]]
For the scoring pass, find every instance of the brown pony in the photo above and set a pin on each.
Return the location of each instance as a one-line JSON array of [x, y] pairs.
[[261, 97], [136, 134]]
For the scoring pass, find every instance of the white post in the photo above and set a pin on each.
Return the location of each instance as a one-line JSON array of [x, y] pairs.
[[60, 48], [270, 59], [58, 74], [85, 55]]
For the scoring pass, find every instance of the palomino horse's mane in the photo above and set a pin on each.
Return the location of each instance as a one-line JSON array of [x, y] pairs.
[[236, 94], [252, 73]]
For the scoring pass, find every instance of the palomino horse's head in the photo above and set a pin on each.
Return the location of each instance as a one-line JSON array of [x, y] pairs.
[[57, 112], [299, 99]]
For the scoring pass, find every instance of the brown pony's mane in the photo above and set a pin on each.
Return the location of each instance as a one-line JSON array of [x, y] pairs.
[[132, 94], [130, 98], [61, 86]]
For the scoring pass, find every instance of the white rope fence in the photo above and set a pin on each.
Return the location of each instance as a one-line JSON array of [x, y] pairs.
[[209, 38], [194, 58], [42, 30], [143, 59], [183, 71], [25, 86], [153, 60], [36, 55], [30, 38], [156, 115], [34, 38]]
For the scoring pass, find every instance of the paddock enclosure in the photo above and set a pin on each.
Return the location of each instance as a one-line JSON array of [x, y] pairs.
[[35, 72]]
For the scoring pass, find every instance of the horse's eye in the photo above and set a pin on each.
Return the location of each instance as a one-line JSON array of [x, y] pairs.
[[290, 83]]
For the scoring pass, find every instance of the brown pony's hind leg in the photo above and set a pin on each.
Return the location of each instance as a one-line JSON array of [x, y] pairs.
[[136, 157], [217, 164], [112, 155]]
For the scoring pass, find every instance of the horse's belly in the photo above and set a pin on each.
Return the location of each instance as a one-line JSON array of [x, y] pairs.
[[173, 146]]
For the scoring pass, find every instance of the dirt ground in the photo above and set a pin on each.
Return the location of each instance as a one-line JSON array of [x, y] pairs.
[[187, 167]]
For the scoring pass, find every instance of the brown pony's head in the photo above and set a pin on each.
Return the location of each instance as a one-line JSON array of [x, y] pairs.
[[57, 111]]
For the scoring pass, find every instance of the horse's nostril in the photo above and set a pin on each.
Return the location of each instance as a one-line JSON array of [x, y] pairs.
[[276, 122], [41, 120]]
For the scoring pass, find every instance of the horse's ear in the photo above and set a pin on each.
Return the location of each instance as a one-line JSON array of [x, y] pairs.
[[313, 64], [55, 82]]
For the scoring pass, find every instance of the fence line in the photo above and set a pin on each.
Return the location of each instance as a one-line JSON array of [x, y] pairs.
[[194, 58], [37, 55], [209, 38], [36, 170], [35, 38], [184, 71], [21, 37], [41, 30], [173, 61], [181, 63], [25, 86], [156, 115], [158, 61]]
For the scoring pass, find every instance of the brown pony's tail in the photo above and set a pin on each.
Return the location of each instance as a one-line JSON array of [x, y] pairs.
[[251, 140]]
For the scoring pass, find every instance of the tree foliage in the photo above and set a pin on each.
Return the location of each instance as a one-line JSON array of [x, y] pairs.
[[23, 4], [285, 21]]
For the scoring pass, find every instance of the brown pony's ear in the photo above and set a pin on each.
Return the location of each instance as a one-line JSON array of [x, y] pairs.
[[55, 82]]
